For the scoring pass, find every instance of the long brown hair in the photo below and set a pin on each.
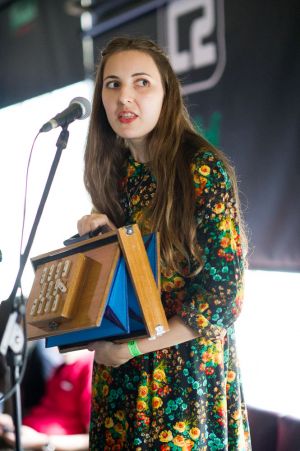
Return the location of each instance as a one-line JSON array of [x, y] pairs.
[[170, 147]]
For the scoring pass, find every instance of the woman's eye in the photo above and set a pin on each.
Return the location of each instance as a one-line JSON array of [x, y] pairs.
[[112, 84], [143, 82]]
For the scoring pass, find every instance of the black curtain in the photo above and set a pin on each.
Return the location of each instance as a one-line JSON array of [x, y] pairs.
[[40, 49], [258, 100], [251, 113]]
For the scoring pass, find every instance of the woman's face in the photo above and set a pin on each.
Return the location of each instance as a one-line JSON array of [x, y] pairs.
[[132, 95]]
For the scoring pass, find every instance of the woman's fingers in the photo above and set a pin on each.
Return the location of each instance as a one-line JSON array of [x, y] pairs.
[[108, 353], [91, 222]]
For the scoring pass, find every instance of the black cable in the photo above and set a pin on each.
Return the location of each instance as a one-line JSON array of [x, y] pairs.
[[25, 195]]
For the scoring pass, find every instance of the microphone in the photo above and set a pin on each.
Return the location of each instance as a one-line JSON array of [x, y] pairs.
[[79, 108]]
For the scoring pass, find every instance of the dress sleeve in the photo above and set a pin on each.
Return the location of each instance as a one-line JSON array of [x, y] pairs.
[[214, 296]]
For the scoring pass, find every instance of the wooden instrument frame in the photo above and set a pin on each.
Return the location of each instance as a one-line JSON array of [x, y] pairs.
[[93, 265]]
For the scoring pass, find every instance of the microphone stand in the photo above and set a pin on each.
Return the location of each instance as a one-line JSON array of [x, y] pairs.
[[12, 311]]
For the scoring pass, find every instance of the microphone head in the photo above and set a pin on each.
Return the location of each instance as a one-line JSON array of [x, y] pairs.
[[85, 106]]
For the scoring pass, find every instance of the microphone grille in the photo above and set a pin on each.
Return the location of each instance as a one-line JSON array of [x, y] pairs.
[[85, 106]]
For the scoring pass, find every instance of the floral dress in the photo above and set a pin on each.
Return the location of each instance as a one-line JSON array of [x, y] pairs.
[[189, 396]]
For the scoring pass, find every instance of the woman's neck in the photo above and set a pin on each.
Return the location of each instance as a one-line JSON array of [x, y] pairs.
[[138, 151]]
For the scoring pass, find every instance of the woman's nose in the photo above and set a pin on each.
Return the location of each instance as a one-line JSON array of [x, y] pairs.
[[126, 95]]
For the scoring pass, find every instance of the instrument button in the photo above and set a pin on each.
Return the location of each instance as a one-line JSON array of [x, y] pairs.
[[66, 269], [51, 272], [40, 306], [55, 303], [34, 307]]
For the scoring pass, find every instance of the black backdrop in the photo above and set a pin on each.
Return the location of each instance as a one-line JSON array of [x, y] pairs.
[[252, 112], [40, 49]]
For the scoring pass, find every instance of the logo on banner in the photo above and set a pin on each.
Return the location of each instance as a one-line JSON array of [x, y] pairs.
[[196, 42]]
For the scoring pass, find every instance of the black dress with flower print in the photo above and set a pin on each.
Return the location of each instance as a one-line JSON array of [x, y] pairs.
[[189, 396]]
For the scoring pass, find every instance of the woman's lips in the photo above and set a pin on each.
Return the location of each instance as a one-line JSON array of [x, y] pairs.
[[125, 117]]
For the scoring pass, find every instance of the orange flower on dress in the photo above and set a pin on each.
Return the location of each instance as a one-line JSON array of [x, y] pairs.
[[207, 356], [225, 242], [194, 433], [167, 272], [165, 436], [179, 441], [188, 445], [143, 391], [119, 428], [108, 422], [130, 170], [202, 367], [231, 376], [202, 321], [105, 390], [159, 375], [178, 282], [197, 178], [203, 182], [156, 402], [167, 285], [235, 234], [180, 426], [141, 405], [198, 192], [105, 375], [236, 415], [164, 448], [218, 358], [203, 306], [135, 199], [219, 207], [204, 170], [225, 224]]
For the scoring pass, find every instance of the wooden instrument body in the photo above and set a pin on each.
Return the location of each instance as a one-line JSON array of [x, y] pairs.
[[106, 287]]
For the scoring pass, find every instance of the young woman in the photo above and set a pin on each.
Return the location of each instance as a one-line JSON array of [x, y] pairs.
[[145, 164]]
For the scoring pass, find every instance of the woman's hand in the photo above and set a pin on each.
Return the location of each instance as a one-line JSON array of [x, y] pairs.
[[90, 222], [30, 438], [110, 354], [6, 423]]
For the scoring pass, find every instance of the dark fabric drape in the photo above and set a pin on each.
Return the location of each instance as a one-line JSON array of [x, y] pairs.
[[251, 113], [40, 49], [258, 99]]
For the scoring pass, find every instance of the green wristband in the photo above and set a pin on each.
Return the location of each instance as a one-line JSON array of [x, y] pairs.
[[133, 348]]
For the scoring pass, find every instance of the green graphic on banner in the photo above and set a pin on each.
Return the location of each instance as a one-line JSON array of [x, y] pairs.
[[211, 131], [22, 13]]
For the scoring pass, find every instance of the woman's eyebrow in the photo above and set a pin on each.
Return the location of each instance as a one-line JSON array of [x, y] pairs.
[[110, 76], [133, 75], [140, 73]]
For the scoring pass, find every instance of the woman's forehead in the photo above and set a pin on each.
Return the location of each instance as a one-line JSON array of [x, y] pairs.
[[131, 62]]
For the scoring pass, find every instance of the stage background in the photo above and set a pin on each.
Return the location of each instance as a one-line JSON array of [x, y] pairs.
[[245, 103], [244, 58]]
